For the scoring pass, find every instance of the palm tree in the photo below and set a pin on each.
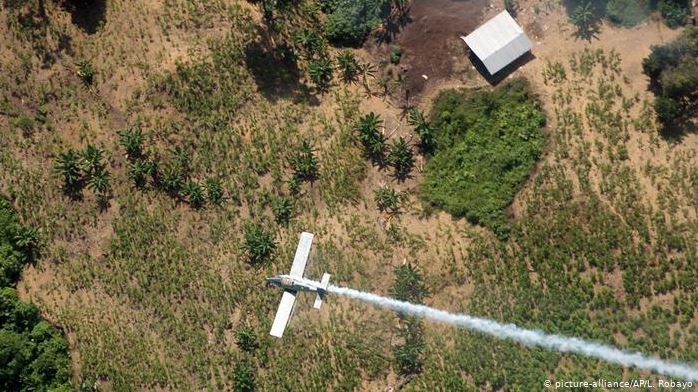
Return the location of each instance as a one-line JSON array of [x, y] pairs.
[[348, 66], [583, 18], [67, 164], [423, 129], [132, 141], [92, 159], [320, 71], [401, 158]]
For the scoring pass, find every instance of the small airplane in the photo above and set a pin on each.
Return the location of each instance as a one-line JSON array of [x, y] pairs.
[[295, 282]]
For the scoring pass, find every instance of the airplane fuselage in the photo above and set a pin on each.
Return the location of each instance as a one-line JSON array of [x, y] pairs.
[[288, 282]]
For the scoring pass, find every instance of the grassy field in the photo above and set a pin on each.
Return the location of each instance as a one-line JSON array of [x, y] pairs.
[[156, 291]]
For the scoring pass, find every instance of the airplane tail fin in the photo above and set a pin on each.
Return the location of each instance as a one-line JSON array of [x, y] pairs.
[[321, 294]]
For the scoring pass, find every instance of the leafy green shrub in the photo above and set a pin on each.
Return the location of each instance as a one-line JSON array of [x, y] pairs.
[[371, 138], [282, 207], [195, 194], [214, 191], [33, 354], [350, 21], [320, 71], [86, 73], [132, 141], [68, 165], [486, 145], [243, 377], [627, 12], [673, 70], [401, 158], [246, 339], [674, 11], [423, 129], [408, 285], [408, 355], [387, 199], [395, 54], [348, 66], [259, 244], [304, 163], [667, 109]]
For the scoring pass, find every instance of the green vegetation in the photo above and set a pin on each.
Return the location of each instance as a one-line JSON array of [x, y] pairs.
[[627, 12], [424, 130], [243, 377], [304, 163], [371, 138], [673, 70], [486, 146], [161, 295], [409, 286], [33, 353], [674, 11], [350, 21], [246, 339], [348, 66], [395, 54], [586, 14], [86, 73], [401, 158], [259, 244], [388, 199]]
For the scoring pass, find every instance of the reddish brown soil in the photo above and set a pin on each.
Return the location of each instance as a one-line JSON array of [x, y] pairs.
[[430, 39]]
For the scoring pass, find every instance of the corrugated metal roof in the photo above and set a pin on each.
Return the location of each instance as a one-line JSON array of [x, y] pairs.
[[498, 42]]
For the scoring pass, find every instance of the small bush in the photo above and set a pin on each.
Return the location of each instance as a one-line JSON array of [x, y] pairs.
[[627, 12], [86, 73], [259, 244], [674, 11], [387, 199], [395, 54], [243, 377], [282, 207], [401, 158], [246, 339], [350, 21]]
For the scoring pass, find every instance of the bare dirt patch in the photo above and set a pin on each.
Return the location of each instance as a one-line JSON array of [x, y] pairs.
[[430, 40]]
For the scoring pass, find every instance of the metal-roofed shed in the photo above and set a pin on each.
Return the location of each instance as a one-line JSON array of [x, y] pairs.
[[498, 42]]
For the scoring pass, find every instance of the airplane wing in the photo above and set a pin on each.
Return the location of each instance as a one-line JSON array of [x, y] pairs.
[[283, 313], [301, 257]]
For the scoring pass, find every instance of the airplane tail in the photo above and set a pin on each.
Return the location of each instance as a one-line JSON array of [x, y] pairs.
[[321, 293]]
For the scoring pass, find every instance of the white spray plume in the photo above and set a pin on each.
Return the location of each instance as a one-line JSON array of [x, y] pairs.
[[526, 336]]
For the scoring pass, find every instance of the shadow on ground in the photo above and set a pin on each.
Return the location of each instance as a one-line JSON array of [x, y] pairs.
[[276, 73], [88, 15], [504, 72]]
